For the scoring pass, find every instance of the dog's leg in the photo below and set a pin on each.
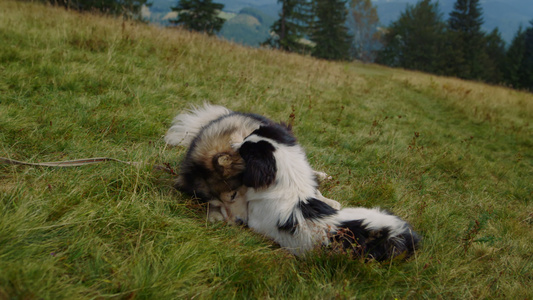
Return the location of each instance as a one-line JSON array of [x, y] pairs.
[[321, 177], [328, 201]]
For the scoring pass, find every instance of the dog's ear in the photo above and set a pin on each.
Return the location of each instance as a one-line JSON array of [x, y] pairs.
[[223, 160], [260, 169], [227, 164]]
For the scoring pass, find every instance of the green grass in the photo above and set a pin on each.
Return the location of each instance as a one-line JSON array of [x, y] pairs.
[[453, 158]]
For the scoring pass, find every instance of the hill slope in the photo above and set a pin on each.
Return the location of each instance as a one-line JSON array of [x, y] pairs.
[[453, 158]]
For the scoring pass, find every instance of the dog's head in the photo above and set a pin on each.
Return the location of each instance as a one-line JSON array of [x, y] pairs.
[[227, 187], [217, 180]]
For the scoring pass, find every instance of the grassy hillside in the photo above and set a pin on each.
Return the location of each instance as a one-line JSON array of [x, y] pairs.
[[454, 158]]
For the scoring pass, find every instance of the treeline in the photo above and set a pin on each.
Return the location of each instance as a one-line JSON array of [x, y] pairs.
[[316, 27], [328, 29], [420, 39]]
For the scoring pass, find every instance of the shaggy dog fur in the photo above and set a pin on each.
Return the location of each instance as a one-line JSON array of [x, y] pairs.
[[283, 205], [252, 169], [212, 169]]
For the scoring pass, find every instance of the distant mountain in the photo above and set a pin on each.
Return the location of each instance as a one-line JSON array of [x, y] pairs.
[[270, 7], [250, 26]]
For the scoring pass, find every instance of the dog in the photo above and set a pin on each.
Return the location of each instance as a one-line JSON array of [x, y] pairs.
[[283, 204], [212, 169]]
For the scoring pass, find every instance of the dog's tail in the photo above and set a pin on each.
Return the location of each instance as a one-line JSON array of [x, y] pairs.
[[373, 233], [187, 125]]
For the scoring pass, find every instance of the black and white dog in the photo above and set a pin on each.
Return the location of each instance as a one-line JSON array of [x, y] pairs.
[[252, 169], [212, 169], [283, 204]]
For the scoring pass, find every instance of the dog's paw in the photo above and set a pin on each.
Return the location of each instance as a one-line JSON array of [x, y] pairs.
[[215, 211], [215, 216], [321, 176]]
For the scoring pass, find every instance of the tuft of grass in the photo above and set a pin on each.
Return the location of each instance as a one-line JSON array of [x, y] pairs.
[[452, 157]]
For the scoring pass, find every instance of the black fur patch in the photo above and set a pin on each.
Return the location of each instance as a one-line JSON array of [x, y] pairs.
[[289, 225], [312, 210], [276, 132], [353, 236], [315, 209], [260, 170], [192, 180], [197, 180], [411, 240]]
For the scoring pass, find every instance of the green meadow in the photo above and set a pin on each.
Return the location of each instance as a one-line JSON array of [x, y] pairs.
[[454, 158]]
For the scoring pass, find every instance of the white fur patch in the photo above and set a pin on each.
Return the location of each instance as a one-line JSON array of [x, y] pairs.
[[281, 202], [186, 126]]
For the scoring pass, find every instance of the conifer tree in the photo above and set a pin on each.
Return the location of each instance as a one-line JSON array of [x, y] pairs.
[[527, 65], [514, 58], [292, 27], [519, 60], [329, 32], [467, 40], [495, 50], [199, 15], [416, 40]]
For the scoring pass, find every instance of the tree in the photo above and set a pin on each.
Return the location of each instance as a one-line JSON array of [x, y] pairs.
[[519, 60], [495, 50], [199, 15], [514, 57], [416, 40], [363, 20], [467, 40], [527, 65], [290, 31], [329, 32]]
